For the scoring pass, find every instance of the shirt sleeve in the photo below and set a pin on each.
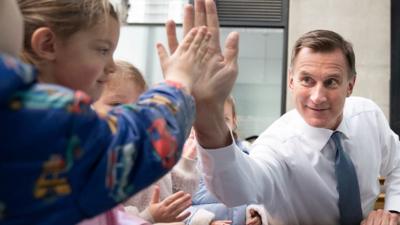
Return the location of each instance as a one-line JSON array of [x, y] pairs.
[[236, 178], [390, 167]]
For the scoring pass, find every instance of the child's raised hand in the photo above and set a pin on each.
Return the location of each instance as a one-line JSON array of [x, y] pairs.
[[171, 209], [189, 60]]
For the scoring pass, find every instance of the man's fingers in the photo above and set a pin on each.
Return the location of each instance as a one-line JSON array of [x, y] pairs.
[[231, 48], [199, 13], [170, 27], [213, 24], [188, 19], [394, 219]]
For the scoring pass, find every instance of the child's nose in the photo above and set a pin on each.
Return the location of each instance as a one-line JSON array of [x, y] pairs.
[[111, 67]]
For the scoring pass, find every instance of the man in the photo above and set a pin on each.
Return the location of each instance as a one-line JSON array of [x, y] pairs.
[[317, 164]]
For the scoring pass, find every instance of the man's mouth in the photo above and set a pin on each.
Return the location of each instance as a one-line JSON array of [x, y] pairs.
[[317, 108]]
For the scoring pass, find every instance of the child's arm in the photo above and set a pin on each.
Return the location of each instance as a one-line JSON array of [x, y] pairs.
[[61, 162]]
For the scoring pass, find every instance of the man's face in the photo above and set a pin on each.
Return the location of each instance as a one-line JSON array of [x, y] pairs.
[[320, 84]]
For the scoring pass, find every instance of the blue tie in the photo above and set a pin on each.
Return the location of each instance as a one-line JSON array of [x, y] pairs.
[[347, 186]]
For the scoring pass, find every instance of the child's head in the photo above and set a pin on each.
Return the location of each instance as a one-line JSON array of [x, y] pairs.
[[11, 28], [230, 114], [123, 86], [71, 42]]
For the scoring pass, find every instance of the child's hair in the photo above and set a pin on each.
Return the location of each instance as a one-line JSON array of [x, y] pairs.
[[127, 70], [63, 17], [231, 101]]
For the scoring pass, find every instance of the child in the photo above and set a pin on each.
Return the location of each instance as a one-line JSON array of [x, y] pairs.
[[59, 161], [207, 209], [124, 86], [174, 190]]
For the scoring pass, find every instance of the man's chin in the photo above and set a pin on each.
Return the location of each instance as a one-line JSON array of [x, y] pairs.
[[318, 123]]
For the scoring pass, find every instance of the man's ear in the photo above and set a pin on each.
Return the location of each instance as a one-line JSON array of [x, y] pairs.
[[43, 43], [351, 85], [290, 78]]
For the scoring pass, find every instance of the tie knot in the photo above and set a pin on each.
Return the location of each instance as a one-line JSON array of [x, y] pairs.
[[336, 137]]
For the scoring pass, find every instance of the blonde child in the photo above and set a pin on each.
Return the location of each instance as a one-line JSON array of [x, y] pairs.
[[124, 86], [61, 162]]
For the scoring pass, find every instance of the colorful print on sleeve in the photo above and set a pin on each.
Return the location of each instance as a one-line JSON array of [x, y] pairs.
[[61, 162]]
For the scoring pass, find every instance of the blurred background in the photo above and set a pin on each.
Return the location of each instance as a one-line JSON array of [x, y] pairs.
[[268, 29]]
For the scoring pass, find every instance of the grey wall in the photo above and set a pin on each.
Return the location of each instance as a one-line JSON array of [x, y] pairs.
[[365, 23]]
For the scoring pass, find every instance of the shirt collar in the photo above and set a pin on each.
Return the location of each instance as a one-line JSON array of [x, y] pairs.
[[315, 137]]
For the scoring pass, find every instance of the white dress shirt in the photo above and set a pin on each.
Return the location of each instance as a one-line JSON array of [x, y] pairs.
[[290, 169]]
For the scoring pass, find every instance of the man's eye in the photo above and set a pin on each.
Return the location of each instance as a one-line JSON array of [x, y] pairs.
[[331, 83], [306, 81]]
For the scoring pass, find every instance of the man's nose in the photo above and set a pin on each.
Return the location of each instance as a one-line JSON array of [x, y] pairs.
[[318, 94]]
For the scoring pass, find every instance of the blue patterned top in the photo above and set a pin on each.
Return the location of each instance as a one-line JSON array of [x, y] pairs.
[[60, 162]]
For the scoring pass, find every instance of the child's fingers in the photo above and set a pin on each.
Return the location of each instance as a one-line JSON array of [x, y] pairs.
[[252, 221], [155, 197], [172, 198], [203, 49], [187, 41], [181, 204], [162, 53], [183, 216], [198, 40]]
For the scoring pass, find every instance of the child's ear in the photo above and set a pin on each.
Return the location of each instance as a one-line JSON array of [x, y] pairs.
[[43, 43]]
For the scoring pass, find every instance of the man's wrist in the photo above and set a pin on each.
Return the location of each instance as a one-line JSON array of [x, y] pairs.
[[211, 129]]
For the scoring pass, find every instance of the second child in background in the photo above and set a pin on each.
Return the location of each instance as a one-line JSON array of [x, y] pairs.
[[207, 209], [124, 86], [169, 197]]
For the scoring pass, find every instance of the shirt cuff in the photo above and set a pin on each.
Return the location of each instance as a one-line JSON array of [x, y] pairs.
[[210, 157], [392, 203]]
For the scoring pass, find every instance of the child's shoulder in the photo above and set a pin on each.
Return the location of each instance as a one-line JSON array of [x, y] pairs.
[[12, 67], [20, 90], [50, 96]]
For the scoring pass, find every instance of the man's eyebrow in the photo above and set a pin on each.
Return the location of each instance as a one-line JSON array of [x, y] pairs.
[[305, 73]]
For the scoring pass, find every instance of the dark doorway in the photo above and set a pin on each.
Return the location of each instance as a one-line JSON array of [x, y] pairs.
[[395, 67]]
